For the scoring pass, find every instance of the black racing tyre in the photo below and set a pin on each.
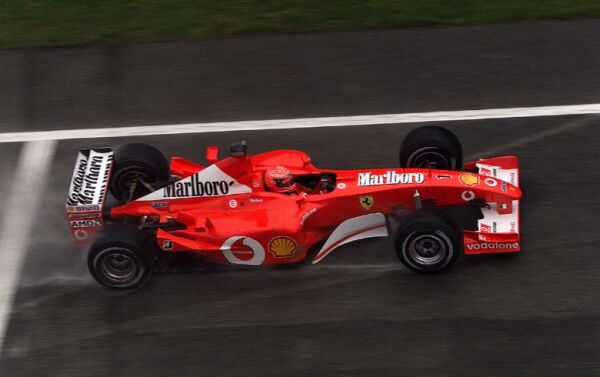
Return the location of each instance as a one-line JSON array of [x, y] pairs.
[[428, 241], [138, 169], [121, 257], [431, 146]]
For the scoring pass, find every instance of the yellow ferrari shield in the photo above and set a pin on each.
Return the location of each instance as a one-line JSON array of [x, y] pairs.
[[366, 201]]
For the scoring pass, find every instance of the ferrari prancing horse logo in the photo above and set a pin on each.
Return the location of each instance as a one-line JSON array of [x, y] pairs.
[[366, 201]]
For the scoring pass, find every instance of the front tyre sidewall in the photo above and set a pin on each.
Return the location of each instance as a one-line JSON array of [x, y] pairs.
[[438, 262]]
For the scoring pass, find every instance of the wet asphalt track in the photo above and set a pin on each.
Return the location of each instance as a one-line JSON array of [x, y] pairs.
[[359, 313]]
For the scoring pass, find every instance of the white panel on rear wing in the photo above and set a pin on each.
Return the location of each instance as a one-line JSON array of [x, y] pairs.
[[87, 192], [77, 180], [90, 177]]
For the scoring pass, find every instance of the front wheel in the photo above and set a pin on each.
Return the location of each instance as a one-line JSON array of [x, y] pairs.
[[431, 147], [427, 242], [121, 257]]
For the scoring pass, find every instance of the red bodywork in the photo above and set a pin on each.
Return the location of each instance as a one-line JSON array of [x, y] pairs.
[[237, 221]]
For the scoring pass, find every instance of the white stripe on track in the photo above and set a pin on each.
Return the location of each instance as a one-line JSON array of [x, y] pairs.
[[276, 124], [18, 219]]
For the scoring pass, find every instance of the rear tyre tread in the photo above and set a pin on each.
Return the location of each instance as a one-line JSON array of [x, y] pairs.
[[139, 156], [125, 237]]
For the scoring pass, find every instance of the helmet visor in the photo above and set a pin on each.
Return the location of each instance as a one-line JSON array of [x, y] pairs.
[[283, 182]]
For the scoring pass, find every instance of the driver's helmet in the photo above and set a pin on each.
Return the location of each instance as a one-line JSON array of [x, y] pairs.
[[280, 179]]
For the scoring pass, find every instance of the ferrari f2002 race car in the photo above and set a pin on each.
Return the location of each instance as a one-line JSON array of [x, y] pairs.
[[278, 208]]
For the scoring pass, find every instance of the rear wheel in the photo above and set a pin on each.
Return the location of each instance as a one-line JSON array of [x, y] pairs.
[[431, 147], [427, 242], [121, 257], [138, 170]]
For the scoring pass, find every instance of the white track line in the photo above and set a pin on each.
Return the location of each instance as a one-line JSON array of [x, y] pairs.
[[276, 124], [18, 219]]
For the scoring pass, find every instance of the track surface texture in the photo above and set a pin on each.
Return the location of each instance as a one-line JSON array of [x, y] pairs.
[[292, 76], [359, 312]]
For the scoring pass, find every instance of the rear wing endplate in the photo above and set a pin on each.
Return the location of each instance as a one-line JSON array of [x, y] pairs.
[[87, 192]]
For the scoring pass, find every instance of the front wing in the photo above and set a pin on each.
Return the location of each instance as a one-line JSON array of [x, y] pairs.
[[499, 229]]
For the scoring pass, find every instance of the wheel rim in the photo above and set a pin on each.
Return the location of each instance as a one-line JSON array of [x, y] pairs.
[[431, 157], [134, 182], [118, 266], [428, 249]]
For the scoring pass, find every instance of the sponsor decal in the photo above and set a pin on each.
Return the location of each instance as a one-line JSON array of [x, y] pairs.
[[80, 234], [256, 250], [83, 216], [341, 185], [513, 227], [467, 195], [167, 245], [92, 208], [443, 176], [503, 186], [485, 171], [389, 178], [512, 178], [85, 223], [490, 182], [256, 200], [77, 180], [306, 215], [493, 245], [494, 227], [485, 228], [366, 201], [233, 203], [209, 182], [282, 247], [468, 179], [160, 204], [195, 187], [91, 189]]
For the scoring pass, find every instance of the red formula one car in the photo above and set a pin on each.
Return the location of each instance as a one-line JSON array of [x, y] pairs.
[[277, 207]]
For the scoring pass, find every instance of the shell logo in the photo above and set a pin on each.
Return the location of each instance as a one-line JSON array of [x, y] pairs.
[[468, 179], [282, 247]]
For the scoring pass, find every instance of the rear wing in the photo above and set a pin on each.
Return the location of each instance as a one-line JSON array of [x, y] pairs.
[[499, 229], [87, 192]]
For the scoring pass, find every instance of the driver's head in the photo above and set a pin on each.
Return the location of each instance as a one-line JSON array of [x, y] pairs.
[[280, 179]]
